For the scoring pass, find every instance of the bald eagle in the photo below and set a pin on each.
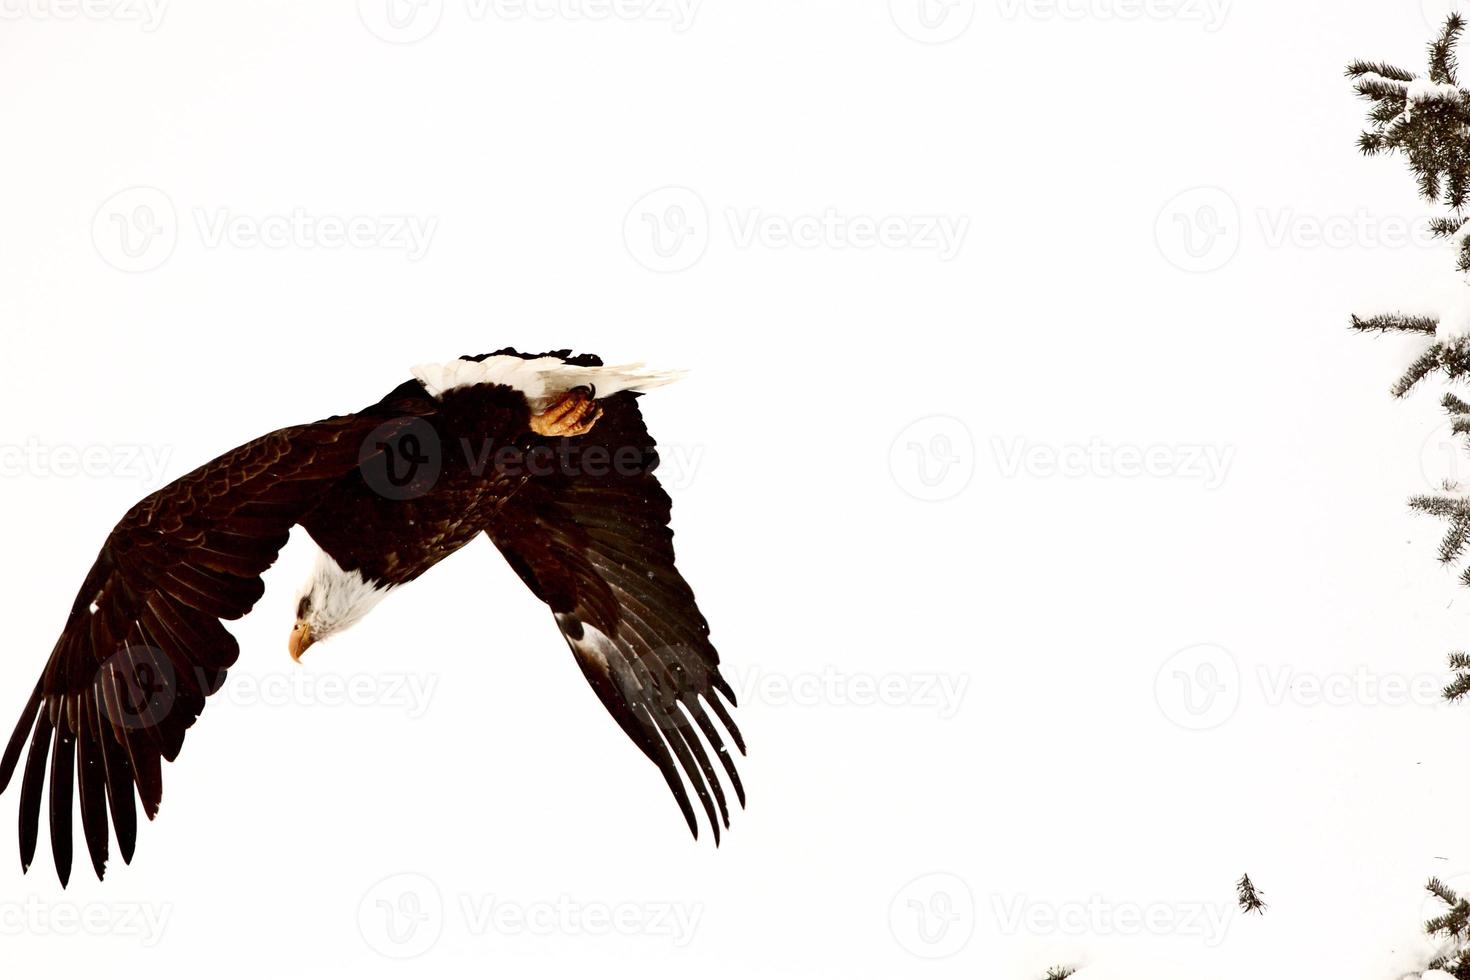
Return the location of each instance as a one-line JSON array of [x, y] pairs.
[[547, 455]]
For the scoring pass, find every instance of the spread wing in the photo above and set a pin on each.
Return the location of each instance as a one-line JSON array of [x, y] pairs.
[[591, 538], [144, 645]]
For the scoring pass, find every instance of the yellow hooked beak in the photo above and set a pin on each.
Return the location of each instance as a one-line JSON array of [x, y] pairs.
[[301, 641]]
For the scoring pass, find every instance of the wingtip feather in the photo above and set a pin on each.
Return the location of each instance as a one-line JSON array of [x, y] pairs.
[[18, 739]]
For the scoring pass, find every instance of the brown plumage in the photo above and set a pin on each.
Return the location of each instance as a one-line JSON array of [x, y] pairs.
[[581, 519]]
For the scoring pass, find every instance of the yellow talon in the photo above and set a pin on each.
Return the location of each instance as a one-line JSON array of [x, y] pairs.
[[573, 414]]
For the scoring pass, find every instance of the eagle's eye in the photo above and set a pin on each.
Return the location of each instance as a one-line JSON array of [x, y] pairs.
[[303, 606]]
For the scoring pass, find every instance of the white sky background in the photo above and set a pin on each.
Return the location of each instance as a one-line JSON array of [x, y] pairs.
[[1065, 316]]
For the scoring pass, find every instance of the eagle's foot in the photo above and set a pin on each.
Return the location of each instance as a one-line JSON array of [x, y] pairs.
[[573, 414]]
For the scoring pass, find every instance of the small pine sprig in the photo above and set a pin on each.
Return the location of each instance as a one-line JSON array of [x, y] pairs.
[[1447, 504], [1454, 928], [1458, 969], [1249, 898], [1460, 686], [1453, 545], [1395, 323], [1452, 357], [1442, 61], [1449, 228], [1446, 227], [1359, 69], [1452, 505], [1059, 973]]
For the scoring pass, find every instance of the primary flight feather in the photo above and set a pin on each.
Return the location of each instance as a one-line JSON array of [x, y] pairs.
[[546, 455]]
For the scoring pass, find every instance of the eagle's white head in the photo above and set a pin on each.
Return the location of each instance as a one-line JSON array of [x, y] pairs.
[[332, 600]]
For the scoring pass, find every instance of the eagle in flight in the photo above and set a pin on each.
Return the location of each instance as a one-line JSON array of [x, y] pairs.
[[547, 455]]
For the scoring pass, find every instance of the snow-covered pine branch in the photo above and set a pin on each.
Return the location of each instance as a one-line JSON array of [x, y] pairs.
[[1396, 323], [1453, 927], [1450, 356], [1428, 120], [1424, 117], [1460, 686]]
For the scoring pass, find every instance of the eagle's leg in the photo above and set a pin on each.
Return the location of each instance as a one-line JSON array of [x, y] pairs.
[[573, 414]]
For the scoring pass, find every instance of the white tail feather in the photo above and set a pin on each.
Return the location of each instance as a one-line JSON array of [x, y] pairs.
[[542, 379]]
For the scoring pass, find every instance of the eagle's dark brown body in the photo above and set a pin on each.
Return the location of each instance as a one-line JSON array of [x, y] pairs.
[[387, 493], [442, 474]]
